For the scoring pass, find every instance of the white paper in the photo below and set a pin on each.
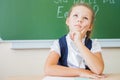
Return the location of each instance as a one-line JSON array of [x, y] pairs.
[[64, 78], [57, 78]]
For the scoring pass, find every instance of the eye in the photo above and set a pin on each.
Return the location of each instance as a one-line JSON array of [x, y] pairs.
[[86, 18], [75, 15]]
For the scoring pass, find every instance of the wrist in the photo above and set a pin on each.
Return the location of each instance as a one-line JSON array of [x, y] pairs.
[[79, 44], [82, 72]]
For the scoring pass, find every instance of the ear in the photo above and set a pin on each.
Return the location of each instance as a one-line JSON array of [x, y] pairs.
[[67, 21]]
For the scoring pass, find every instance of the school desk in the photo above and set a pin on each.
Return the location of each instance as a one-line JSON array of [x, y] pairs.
[[41, 77]]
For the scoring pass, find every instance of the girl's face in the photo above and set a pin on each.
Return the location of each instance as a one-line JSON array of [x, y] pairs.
[[80, 18]]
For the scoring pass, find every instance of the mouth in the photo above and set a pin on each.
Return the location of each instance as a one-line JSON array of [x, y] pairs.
[[79, 26]]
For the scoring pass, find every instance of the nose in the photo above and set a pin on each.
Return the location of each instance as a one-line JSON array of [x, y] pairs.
[[80, 20]]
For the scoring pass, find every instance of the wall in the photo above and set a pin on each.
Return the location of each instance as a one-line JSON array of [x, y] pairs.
[[31, 62]]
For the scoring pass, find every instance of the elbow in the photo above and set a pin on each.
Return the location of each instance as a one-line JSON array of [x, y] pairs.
[[46, 71], [99, 70]]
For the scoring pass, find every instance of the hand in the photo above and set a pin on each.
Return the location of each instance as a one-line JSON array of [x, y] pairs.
[[89, 74], [77, 35]]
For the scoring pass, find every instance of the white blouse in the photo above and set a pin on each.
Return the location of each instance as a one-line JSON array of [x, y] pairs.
[[74, 59]]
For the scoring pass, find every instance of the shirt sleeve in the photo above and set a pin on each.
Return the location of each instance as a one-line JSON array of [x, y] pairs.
[[96, 47], [55, 47]]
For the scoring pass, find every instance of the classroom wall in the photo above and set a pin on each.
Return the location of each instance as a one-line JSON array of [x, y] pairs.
[[31, 61]]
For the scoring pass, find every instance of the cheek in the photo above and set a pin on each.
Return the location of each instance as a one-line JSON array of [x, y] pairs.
[[86, 23], [71, 23]]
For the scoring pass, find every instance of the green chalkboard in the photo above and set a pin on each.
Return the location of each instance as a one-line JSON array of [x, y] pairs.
[[45, 19]]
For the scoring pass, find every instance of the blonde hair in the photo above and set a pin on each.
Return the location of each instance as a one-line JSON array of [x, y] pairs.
[[87, 6]]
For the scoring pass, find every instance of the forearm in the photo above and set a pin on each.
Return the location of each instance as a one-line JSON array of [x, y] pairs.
[[57, 70], [94, 62]]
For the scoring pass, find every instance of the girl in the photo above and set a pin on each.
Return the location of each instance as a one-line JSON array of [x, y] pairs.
[[75, 54]]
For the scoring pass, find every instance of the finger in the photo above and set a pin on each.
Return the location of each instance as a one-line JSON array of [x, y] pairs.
[[72, 35], [103, 76], [84, 30], [95, 76]]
